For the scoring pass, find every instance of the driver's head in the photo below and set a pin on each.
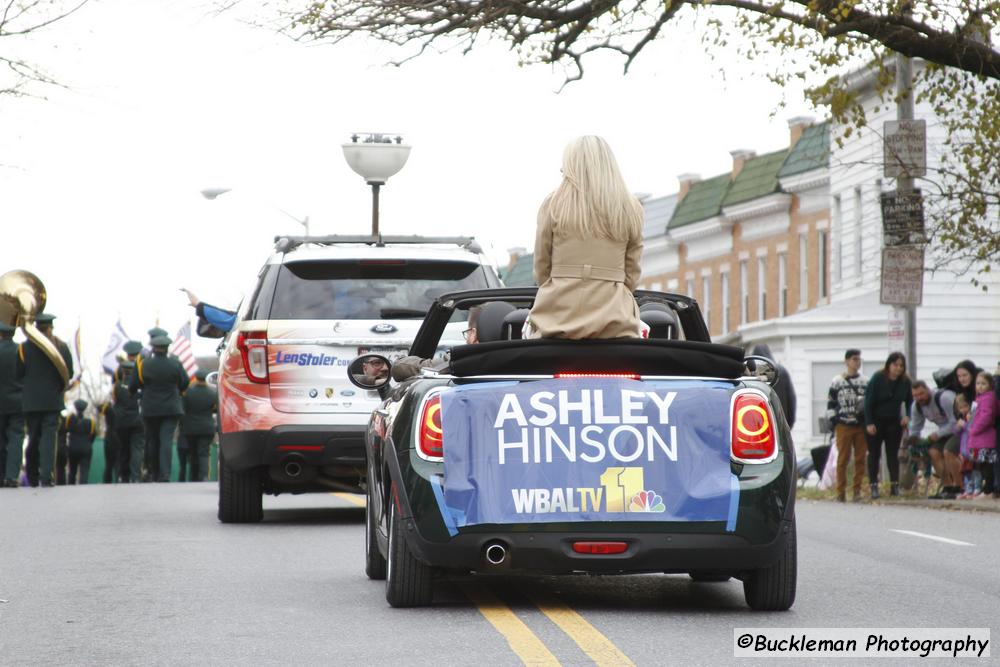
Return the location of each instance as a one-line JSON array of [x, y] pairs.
[[471, 334], [375, 367]]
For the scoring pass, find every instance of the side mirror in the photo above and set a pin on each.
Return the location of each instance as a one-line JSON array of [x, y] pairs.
[[212, 379], [762, 367], [369, 371]]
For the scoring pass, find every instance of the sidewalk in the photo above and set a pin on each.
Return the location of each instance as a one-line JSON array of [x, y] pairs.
[[984, 503]]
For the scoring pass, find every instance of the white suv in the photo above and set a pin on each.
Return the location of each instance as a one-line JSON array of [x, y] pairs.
[[289, 419]]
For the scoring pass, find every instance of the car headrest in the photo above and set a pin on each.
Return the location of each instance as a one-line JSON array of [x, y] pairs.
[[513, 323], [662, 322], [489, 326]]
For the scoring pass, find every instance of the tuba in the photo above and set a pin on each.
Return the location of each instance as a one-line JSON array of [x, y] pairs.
[[22, 298]]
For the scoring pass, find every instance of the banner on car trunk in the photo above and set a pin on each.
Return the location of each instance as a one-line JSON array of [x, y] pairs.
[[595, 449]]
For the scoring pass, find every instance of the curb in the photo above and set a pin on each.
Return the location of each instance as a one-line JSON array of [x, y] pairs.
[[990, 506]]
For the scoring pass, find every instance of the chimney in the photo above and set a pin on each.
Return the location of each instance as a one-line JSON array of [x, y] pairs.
[[515, 254], [796, 126], [686, 180], [740, 157]]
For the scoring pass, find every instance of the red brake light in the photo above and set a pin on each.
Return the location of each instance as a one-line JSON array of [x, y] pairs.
[[253, 348], [600, 548], [753, 429], [431, 436], [626, 376]]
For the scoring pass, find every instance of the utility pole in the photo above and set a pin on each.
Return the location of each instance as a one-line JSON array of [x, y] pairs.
[[904, 184]]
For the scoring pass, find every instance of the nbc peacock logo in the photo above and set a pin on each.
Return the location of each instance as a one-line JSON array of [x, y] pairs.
[[647, 501]]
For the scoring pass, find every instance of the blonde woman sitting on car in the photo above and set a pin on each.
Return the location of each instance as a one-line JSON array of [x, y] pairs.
[[587, 250]]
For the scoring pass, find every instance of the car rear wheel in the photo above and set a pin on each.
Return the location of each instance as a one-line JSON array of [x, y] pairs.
[[708, 577], [374, 560], [773, 588], [241, 496], [408, 582]]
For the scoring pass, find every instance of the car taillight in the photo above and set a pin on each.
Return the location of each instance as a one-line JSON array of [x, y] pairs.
[[253, 348], [753, 429], [625, 376], [431, 433]]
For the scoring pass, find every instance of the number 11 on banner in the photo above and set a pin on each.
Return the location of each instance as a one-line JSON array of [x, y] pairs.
[[620, 485]]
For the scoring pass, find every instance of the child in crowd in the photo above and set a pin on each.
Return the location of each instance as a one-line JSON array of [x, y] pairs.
[[972, 477], [982, 427]]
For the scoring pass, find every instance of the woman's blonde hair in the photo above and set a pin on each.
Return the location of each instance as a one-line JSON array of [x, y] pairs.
[[592, 199]]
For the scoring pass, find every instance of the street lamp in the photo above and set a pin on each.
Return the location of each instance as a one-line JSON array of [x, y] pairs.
[[212, 194], [375, 156]]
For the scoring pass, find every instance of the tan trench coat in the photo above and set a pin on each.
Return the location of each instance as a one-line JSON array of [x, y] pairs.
[[585, 285]]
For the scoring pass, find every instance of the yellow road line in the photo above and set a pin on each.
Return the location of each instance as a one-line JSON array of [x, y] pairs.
[[597, 647], [525, 643], [352, 498]]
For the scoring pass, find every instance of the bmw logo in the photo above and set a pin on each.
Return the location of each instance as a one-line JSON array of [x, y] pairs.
[[313, 393], [384, 328]]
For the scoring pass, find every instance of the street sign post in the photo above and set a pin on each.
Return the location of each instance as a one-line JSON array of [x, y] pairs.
[[904, 148], [902, 275], [897, 330], [903, 218]]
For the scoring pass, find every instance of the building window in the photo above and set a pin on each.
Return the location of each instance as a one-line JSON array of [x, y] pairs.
[[762, 288], [838, 230], [782, 285], [803, 271], [690, 288], [744, 292], [824, 263], [725, 302], [858, 220], [706, 296]]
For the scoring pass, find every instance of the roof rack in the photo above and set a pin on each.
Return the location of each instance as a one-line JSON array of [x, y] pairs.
[[288, 243]]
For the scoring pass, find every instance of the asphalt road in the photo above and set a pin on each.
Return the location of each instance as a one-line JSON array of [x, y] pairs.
[[144, 574]]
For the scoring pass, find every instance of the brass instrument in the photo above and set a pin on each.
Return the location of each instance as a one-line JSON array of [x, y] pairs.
[[22, 298]]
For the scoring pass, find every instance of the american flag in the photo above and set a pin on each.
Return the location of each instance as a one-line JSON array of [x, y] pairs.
[[181, 347]]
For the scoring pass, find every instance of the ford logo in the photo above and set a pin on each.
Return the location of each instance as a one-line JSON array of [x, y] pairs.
[[347, 392], [384, 328]]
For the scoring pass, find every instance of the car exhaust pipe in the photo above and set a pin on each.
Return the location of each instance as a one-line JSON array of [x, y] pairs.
[[496, 553], [293, 469]]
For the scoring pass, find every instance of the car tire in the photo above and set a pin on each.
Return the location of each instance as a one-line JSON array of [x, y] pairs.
[[408, 582], [241, 496], [709, 577], [374, 560], [773, 588]]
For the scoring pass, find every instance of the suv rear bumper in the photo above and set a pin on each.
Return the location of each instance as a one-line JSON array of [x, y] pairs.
[[324, 445]]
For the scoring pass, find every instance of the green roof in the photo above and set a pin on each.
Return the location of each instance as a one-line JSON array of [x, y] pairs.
[[522, 274], [811, 151], [757, 178], [702, 201]]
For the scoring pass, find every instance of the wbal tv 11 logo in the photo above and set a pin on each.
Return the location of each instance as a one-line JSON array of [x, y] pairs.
[[622, 490]]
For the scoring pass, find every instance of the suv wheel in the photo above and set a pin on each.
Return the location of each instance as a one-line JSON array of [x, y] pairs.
[[773, 588], [374, 560], [407, 580], [240, 494]]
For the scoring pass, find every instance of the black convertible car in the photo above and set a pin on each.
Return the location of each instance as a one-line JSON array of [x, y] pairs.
[[667, 454]]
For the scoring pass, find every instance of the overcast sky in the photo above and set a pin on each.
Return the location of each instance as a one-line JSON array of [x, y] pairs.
[[99, 184]]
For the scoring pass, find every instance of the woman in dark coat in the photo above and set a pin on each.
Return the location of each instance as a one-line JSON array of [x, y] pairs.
[[887, 414], [962, 380]]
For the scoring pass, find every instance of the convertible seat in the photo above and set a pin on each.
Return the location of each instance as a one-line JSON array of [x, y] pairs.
[[543, 356]]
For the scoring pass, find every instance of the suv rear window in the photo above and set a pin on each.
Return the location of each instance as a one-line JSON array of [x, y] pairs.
[[368, 289]]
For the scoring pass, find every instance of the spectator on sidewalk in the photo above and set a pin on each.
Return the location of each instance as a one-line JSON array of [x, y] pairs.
[[887, 413], [982, 430], [962, 380], [845, 407], [972, 478], [936, 406]]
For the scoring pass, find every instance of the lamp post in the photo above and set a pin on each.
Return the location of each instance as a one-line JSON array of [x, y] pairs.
[[375, 156], [212, 194]]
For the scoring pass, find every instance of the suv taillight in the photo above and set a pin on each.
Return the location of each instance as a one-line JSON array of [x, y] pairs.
[[431, 434], [753, 429], [253, 349]]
